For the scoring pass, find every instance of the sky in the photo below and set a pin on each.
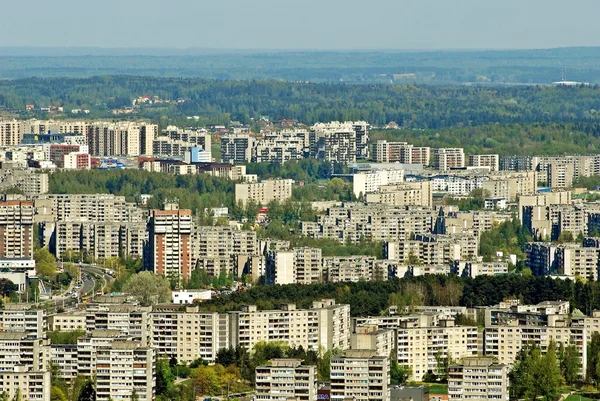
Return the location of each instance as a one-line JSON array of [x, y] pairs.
[[301, 24]]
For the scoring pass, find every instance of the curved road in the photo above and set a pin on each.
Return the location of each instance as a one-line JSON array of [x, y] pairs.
[[88, 286]]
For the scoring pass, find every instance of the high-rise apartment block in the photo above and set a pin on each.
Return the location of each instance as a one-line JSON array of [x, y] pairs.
[[16, 229], [478, 379], [286, 379], [339, 142], [170, 248], [236, 148], [361, 376]]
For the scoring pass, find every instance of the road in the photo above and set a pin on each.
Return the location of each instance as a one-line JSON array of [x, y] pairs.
[[87, 289]]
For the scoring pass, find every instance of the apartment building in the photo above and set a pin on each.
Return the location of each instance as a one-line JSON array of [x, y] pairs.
[[570, 260], [23, 318], [447, 158], [188, 334], [281, 147], [11, 132], [367, 182], [519, 163], [509, 329], [217, 248], [560, 175], [351, 269], [90, 207], [175, 142], [353, 222], [324, 325], [263, 192], [360, 375], [125, 138], [381, 342], [132, 321], [489, 161], [424, 337], [125, 371], [23, 349], [16, 229], [308, 265], [65, 357], [28, 180], [170, 250], [67, 321], [478, 379], [383, 151], [337, 142], [32, 385], [407, 194], [510, 186], [286, 379], [236, 148], [475, 268]]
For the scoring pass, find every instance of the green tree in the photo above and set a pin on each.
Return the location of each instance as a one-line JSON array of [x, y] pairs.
[[593, 353], [570, 363], [18, 396], [148, 288], [56, 394], [399, 374], [45, 263], [164, 377]]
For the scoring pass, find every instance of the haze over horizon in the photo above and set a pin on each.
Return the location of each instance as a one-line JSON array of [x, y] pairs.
[[302, 25]]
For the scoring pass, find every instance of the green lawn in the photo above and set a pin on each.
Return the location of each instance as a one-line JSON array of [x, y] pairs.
[[436, 388], [575, 397]]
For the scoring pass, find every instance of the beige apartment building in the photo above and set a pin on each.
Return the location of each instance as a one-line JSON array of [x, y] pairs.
[[286, 379], [407, 194], [382, 342], [23, 318], [11, 132], [478, 379], [511, 186], [188, 334], [124, 369], [308, 265], [490, 161], [560, 175], [447, 158], [23, 349], [132, 321], [361, 376], [325, 325], [30, 384], [263, 192]]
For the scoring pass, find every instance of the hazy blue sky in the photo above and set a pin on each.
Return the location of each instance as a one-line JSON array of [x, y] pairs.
[[305, 24]]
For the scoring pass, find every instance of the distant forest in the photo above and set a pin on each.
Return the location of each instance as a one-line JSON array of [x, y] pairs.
[[411, 106], [541, 66]]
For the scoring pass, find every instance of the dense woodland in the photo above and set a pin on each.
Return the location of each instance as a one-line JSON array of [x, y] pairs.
[[373, 298], [411, 106]]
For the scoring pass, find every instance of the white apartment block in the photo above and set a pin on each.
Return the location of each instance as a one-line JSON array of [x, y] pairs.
[[338, 142], [511, 186], [280, 147], [478, 379], [308, 265], [367, 182], [447, 158], [129, 320], [22, 349], [286, 379], [490, 161], [325, 325], [263, 192], [361, 376]]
